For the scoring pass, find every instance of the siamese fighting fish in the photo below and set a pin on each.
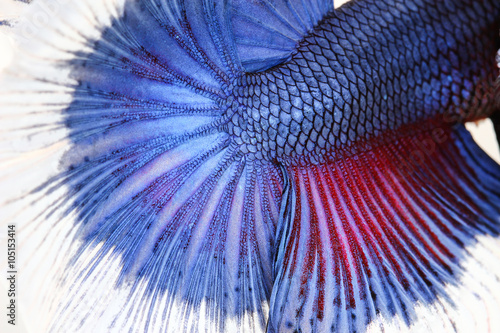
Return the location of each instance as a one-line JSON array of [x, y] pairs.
[[251, 166]]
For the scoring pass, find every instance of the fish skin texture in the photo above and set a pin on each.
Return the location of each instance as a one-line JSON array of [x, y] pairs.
[[367, 68]]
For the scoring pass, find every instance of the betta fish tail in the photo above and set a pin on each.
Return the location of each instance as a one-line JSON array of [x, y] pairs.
[[158, 205], [366, 236], [237, 166]]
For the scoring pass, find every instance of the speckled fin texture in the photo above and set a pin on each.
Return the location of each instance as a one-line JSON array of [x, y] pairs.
[[167, 214], [372, 235], [142, 205], [154, 179]]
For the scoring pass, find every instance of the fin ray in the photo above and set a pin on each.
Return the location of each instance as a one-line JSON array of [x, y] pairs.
[[371, 234], [275, 27]]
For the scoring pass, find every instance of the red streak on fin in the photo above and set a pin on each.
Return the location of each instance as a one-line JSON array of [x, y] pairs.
[[381, 227]]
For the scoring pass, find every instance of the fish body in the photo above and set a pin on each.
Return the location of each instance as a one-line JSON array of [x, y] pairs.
[[252, 166], [369, 68]]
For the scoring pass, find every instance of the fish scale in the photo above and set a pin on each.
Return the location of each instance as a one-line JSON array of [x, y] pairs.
[[370, 77]]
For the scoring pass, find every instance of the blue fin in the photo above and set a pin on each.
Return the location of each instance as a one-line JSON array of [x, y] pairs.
[[155, 181], [380, 232], [266, 32]]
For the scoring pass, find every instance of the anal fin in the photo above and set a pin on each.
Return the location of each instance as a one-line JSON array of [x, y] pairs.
[[381, 231]]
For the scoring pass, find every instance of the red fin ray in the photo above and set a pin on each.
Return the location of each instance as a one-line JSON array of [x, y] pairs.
[[379, 231]]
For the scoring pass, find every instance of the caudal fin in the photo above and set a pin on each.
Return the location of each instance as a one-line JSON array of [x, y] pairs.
[[153, 212]]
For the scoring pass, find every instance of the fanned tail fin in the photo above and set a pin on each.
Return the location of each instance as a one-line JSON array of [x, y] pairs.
[[153, 203], [143, 214]]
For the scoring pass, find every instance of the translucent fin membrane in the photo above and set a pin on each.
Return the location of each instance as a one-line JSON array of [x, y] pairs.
[[145, 209], [267, 32], [137, 212], [200, 234], [377, 233], [35, 90]]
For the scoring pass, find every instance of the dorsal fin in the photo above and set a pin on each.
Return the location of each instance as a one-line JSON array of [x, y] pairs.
[[266, 32]]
